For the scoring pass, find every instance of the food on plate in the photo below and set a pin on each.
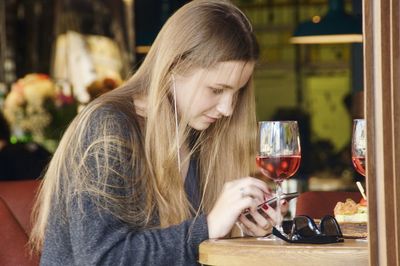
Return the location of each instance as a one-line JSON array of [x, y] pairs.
[[351, 212]]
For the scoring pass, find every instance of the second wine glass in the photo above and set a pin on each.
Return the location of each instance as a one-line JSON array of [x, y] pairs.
[[279, 154], [359, 145]]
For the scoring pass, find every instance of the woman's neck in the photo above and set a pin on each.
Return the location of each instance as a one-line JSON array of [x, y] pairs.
[[140, 104]]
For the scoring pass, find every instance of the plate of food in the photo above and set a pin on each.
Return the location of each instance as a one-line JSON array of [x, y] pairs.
[[352, 218]]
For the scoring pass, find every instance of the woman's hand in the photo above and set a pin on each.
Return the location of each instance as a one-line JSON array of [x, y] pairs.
[[236, 196], [262, 224]]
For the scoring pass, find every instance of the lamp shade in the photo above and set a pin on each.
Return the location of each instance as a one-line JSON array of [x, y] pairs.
[[335, 27]]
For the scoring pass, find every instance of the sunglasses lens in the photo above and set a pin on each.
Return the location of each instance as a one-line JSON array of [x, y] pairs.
[[330, 227], [304, 227]]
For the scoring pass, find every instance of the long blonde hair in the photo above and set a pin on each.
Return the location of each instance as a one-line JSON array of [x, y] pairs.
[[200, 34]]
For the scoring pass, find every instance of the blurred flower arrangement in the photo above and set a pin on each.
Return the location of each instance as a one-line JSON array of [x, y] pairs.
[[38, 107], [101, 86]]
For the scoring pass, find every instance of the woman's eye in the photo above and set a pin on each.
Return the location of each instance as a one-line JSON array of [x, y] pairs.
[[216, 90]]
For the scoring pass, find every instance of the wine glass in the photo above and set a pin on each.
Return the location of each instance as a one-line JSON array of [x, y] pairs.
[[279, 154], [359, 145]]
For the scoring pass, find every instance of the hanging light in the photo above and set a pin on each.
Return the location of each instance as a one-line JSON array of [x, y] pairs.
[[335, 27]]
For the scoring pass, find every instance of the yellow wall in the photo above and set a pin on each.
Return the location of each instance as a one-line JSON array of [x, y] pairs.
[[324, 100]]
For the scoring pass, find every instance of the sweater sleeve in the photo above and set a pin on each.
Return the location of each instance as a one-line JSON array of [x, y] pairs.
[[97, 235], [98, 238]]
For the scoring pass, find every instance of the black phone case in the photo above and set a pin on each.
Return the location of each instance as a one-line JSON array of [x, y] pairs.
[[272, 202]]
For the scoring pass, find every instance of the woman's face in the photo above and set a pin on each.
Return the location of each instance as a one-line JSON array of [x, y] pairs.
[[206, 95]]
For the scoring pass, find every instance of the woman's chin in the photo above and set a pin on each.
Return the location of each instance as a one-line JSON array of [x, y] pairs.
[[199, 125]]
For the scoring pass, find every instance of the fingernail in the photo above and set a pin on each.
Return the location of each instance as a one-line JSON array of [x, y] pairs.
[[265, 207]]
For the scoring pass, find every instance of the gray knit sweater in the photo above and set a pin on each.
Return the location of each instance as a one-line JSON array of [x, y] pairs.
[[94, 237]]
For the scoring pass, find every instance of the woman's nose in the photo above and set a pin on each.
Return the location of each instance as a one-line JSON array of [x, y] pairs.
[[225, 105]]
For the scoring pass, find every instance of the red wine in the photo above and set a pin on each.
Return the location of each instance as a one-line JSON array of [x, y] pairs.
[[278, 168], [359, 164]]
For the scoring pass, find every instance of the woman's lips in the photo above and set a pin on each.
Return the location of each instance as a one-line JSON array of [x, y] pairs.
[[210, 119]]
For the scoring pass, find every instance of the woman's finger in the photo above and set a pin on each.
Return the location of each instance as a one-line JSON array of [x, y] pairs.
[[255, 229], [271, 212], [284, 207], [246, 231], [250, 227], [246, 203], [253, 192], [264, 222]]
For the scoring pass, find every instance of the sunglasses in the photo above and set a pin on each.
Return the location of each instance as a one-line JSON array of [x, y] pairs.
[[304, 230]]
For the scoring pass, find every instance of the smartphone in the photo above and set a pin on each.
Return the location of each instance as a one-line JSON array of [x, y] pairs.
[[272, 203]]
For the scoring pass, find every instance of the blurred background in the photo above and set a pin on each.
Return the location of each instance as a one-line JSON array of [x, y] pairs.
[[58, 55]]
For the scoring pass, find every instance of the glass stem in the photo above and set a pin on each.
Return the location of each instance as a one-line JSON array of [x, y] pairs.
[[278, 206]]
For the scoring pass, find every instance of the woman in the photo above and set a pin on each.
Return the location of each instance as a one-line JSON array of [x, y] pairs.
[[148, 171]]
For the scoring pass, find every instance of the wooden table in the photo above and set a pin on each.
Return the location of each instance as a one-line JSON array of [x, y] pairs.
[[250, 251]]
